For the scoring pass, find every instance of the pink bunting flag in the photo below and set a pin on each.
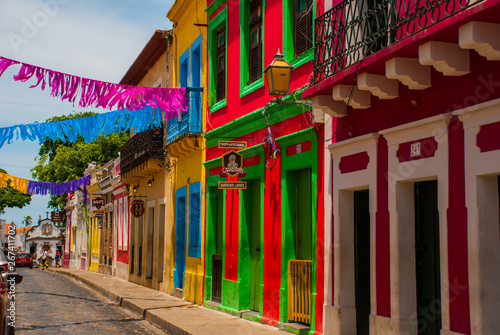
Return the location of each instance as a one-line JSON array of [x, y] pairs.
[[95, 93]]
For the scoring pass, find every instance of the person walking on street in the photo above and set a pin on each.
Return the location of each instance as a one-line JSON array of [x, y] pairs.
[[44, 259], [58, 255]]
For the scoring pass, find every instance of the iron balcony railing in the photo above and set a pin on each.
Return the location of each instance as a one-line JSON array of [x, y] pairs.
[[140, 148], [355, 29], [189, 122]]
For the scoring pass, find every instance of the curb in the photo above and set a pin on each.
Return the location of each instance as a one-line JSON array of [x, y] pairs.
[[111, 296], [146, 313], [125, 303]]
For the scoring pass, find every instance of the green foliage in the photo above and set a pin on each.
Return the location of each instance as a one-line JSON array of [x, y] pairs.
[[28, 220], [59, 161], [10, 197]]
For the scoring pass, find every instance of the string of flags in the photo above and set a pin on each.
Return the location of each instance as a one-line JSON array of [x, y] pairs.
[[89, 127], [43, 188], [95, 93]]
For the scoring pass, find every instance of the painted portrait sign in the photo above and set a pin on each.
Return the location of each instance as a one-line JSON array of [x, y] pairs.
[[232, 164], [137, 208]]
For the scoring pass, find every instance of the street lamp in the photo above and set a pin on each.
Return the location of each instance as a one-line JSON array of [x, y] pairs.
[[150, 182], [278, 75]]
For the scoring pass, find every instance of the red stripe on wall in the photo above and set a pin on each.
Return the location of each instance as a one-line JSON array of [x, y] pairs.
[[458, 267], [428, 147], [487, 138], [320, 240], [232, 234], [356, 162], [272, 242], [382, 232]]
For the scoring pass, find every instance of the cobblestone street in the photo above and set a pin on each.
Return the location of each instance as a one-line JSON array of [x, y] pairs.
[[48, 303]]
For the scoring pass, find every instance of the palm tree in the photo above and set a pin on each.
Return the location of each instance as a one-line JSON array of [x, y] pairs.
[[28, 220]]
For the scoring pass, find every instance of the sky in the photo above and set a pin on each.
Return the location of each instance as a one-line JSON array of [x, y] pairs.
[[88, 38]]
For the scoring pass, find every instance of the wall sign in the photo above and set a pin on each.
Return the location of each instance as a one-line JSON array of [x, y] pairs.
[[98, 202], [232, 145], [56, 216], [232, 164], [137, 208], [232, 185]]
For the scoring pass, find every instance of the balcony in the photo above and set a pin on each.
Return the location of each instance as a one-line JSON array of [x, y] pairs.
[[187, 123], [354, 30], [140, 148]]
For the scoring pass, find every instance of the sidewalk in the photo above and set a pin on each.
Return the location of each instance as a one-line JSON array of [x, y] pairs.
[[175, 315]]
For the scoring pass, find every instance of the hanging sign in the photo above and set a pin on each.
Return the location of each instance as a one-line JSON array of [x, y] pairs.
[[137, 208], [56, 216], [232, 145], [232, 164], [98, 202], [232, 185]]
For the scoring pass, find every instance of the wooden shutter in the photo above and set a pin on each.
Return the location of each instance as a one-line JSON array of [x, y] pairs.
[[302, 27], [194, 247], [255, 41], [220, 86]]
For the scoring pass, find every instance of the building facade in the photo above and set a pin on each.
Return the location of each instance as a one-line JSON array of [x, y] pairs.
[[264, 243], [411, 96], [95, 216], [185, 146], [121, 223], [142, 162], [45, 236]]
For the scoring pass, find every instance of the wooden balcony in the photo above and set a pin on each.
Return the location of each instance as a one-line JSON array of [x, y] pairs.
[[141, 154]]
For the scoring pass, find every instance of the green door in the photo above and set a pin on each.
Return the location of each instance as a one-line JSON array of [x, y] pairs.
[[218, 222], [254, 227], [362, 261], [427, 258], [303, 237]]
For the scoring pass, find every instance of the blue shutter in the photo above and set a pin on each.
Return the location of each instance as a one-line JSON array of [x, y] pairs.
[[194, 249]]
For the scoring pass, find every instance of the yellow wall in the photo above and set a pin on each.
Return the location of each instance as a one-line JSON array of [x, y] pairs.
[[95, 237], [158, 70], [184, 14]]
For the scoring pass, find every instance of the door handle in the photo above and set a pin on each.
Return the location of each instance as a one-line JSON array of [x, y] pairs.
[[257, 249]]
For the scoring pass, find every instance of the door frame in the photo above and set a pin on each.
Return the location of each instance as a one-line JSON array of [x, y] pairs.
[[254, 173], [212, 168], [402, 174], [180, 192], [294, 160], [340, 313]]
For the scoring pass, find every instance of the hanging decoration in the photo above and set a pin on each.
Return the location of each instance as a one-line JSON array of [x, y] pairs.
[[43, 188], [16, 183], [94, 93], [89, 127]]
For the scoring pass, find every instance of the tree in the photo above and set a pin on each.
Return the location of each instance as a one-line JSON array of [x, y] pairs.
[[59, 161], [27, 220], [10, 197]]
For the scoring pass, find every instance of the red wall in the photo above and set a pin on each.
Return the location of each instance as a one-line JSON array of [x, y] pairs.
[[238, 107]]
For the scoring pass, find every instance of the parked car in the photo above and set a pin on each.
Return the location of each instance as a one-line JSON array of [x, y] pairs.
[[8, 280], [24, 259]]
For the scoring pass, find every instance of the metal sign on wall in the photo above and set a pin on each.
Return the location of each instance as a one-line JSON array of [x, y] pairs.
[[137, 208], [232, 185], [98, 202], [56, 216], [232, 145]]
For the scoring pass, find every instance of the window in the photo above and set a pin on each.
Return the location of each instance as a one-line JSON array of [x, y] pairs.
[[221, 65], [194, 246], [120, 224], [302, 35], [125, 223], [255, 42], [183, 69]]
